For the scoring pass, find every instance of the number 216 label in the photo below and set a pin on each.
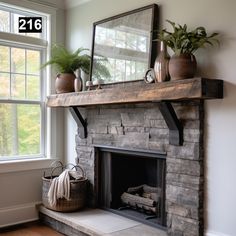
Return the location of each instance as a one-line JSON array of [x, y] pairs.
[[30, 24]]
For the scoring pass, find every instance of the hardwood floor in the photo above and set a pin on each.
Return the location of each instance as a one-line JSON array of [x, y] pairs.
[[29, 229]]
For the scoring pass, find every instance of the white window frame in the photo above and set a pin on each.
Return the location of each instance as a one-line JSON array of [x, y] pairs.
[[51, 152]]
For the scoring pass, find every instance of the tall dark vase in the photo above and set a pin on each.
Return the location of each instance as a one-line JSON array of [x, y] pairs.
[[161, 66], [182, 66]]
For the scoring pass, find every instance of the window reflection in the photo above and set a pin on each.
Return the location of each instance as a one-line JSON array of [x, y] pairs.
[[124, 44]]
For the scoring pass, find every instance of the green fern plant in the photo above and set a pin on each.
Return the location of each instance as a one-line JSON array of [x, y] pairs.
[[182, 41], [100, 69], [67, 62]]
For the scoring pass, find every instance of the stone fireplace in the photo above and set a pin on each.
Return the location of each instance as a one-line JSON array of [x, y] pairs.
[[142, 127]]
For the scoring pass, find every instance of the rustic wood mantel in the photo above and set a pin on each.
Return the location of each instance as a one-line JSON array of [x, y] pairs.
[[188, 89], [163, 93]]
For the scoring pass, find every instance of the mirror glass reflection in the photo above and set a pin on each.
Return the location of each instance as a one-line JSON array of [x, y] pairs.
[[121, 47]]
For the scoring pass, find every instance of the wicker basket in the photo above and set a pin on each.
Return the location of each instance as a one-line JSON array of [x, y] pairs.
[[78, 189]]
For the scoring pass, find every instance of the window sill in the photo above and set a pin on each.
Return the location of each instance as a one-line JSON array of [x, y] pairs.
[[25, 165]]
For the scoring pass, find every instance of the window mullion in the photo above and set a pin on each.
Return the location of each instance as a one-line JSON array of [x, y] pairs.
[[10, 72], [13, 101], [26, 74]]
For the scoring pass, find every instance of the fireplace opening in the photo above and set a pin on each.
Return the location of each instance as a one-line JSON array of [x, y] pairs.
[[131, 183]]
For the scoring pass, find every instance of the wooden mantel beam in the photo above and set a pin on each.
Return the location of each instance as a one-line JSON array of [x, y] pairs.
[[188, 89]]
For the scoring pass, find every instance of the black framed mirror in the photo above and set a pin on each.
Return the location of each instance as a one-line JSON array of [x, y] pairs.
[[123, 48]]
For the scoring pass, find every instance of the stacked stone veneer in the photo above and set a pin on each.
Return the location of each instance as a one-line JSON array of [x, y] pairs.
[[142, 126]]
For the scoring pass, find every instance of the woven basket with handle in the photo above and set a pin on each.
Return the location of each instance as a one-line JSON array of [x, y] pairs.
[[78, 189]]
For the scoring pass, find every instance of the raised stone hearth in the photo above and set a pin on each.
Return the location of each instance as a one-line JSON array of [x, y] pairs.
[[142, 126]]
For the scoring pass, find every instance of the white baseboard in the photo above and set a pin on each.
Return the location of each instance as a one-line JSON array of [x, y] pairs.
[[212, 233], [18, 214]]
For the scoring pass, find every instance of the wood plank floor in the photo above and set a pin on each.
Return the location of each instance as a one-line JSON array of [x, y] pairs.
[[30, 229]]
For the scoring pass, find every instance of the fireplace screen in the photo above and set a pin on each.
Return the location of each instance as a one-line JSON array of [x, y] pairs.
[[132, 183]]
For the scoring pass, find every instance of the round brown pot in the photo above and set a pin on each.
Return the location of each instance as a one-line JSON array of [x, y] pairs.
[[65, 83], [182, 66]]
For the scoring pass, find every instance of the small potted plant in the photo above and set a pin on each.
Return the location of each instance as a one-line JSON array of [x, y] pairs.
[[67, 63], [184, 43]]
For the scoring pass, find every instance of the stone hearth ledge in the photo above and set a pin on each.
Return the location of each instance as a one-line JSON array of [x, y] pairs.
[[97, 222]]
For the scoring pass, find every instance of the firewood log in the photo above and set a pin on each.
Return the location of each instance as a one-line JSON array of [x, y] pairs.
[[133, 200], [136, 189]]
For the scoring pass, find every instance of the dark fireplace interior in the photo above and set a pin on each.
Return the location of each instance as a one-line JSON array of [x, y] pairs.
[[132, 183]]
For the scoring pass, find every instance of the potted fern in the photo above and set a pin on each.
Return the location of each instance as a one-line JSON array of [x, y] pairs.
[[184, 44], [67, 63]]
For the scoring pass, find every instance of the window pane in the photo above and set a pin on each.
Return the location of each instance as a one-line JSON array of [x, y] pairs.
[[18, 60], [131, 41], [4, 85], [143, 44], [33, 87], [35, 35], [4, 21], [33, 62], [16, 26], [19, 129], [16, 23], [18, 86], [4, 59], [141, 69]]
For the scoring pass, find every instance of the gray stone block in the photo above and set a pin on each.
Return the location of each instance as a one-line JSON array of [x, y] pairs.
[[156, 134], [80, 141], [116, 130], [189, 151], [97, 128], [187, 112], [85, 149], [191, 124], [183, 210], [182, 196], [188, 227], [136, 119], [132, 140], [86, 163], [156, 123], [159, 146], [192, 135], [102, 139], [181, 166], [185, 181], [117, 109], [153, 114], [59, 226], [136, 129], [111, 119], [91, 112]]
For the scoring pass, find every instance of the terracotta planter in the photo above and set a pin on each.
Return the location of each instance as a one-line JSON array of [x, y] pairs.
[[182, 66], [65, 83]]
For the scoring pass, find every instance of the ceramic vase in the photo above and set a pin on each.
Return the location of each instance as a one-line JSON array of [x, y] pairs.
[[65, 83], [182, 66], [161, 65], [78, 82]]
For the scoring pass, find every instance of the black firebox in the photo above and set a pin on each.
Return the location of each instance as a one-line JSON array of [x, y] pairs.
[[131, 182]]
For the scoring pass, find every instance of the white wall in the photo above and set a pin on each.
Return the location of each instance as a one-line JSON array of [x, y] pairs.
[[219, 63]]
